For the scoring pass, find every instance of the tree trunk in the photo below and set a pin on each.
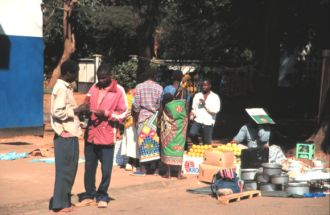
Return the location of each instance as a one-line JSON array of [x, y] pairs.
[[69, 42], [146, 16], [321, 136], [270, 52]]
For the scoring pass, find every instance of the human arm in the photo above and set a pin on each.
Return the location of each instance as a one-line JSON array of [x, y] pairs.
[[193, 109], [241, 135], [84, 107], [212, 106], [264, 135], [121, 110], [137, 101], [60, 110]]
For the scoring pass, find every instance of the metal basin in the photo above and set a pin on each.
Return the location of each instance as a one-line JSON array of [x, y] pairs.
[[248, 174], [261, 178], [280, 179], [267, 187], [272, 169], [250, 185], [297, 188]]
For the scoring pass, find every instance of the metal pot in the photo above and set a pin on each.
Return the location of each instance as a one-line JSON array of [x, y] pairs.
[[261, 178], [280, 179], [248, 174], [297, 188], [267, 187], [272, 169], [250, 185]]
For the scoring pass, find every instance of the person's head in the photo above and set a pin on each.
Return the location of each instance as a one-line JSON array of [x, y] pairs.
[[195, 76], [177, 75], [104, 75], [149, 74], [167, 97], [69, 71], [206, 86]]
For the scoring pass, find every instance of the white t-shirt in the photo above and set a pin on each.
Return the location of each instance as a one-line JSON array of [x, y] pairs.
[[212, 104]]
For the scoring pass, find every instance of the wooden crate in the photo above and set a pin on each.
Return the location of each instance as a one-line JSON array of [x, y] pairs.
[[239, 196]]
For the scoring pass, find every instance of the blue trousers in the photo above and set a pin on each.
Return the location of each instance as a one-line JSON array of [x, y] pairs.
[[66, 163], [197, 129], [93, 154]]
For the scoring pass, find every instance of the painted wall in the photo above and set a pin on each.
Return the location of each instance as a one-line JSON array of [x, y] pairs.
[[21, 64]]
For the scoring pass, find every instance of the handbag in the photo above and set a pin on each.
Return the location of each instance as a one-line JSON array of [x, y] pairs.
[[225, 179]]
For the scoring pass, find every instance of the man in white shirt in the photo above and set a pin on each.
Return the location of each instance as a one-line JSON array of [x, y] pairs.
[[205, 107], [65, 123]]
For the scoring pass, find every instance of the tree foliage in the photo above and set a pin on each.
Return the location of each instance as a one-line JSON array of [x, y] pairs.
[[201, 30], [99, 27], [126, 74]]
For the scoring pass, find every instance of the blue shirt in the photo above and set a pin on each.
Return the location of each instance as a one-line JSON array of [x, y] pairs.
[[253, 136], [169, 89]]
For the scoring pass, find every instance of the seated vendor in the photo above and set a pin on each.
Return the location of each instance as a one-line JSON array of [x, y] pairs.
[[256, 133], [253, 135]]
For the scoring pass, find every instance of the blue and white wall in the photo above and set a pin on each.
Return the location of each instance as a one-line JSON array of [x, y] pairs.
[[21, 64]]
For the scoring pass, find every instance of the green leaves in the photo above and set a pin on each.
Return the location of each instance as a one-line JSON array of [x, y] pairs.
[[126, 74]]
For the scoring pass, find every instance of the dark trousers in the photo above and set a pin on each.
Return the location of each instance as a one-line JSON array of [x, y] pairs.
[[93, 154], [198, 129], [66, 163]]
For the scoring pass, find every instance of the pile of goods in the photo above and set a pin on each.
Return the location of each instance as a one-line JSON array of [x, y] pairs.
[[268, 178], [206, 160], [231, 147], [198, 150]]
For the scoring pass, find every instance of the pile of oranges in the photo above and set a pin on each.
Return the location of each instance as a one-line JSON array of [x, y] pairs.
[[198, 150], [230, 147]]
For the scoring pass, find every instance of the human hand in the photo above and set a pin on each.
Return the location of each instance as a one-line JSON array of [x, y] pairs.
[[202, 102], [265, 146], [99, 113], [81, 109], [129, 114], [192, 117]]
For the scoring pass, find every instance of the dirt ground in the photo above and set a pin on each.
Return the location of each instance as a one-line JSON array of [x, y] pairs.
[[26, 186]]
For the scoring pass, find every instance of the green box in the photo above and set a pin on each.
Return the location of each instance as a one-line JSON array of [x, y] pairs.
[[305, 150]]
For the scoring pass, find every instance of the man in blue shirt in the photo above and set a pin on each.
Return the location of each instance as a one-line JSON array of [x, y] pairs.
[[253, 135]]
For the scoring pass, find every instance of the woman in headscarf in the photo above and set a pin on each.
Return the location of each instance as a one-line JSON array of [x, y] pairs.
[[174, 122]]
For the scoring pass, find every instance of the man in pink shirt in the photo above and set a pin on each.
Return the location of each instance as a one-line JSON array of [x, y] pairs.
[[108, 106]]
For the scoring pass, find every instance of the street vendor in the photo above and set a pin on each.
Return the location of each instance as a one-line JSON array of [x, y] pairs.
[[256, 133]]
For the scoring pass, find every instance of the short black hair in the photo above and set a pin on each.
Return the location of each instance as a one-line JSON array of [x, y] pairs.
[[105, 68], [69, 66], [208, 80], [177, 75], [149, 73]]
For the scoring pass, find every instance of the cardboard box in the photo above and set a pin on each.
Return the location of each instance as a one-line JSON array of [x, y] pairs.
[[190, 165], [206, 172], [219, 159]]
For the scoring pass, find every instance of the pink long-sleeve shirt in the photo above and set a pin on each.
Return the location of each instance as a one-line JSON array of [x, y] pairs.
[[112, 100]]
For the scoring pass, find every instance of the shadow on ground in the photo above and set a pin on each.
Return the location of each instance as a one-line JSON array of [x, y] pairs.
[[16, 143]]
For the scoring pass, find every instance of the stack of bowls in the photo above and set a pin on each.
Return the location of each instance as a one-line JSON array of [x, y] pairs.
[[272, 178], [249, 178]]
